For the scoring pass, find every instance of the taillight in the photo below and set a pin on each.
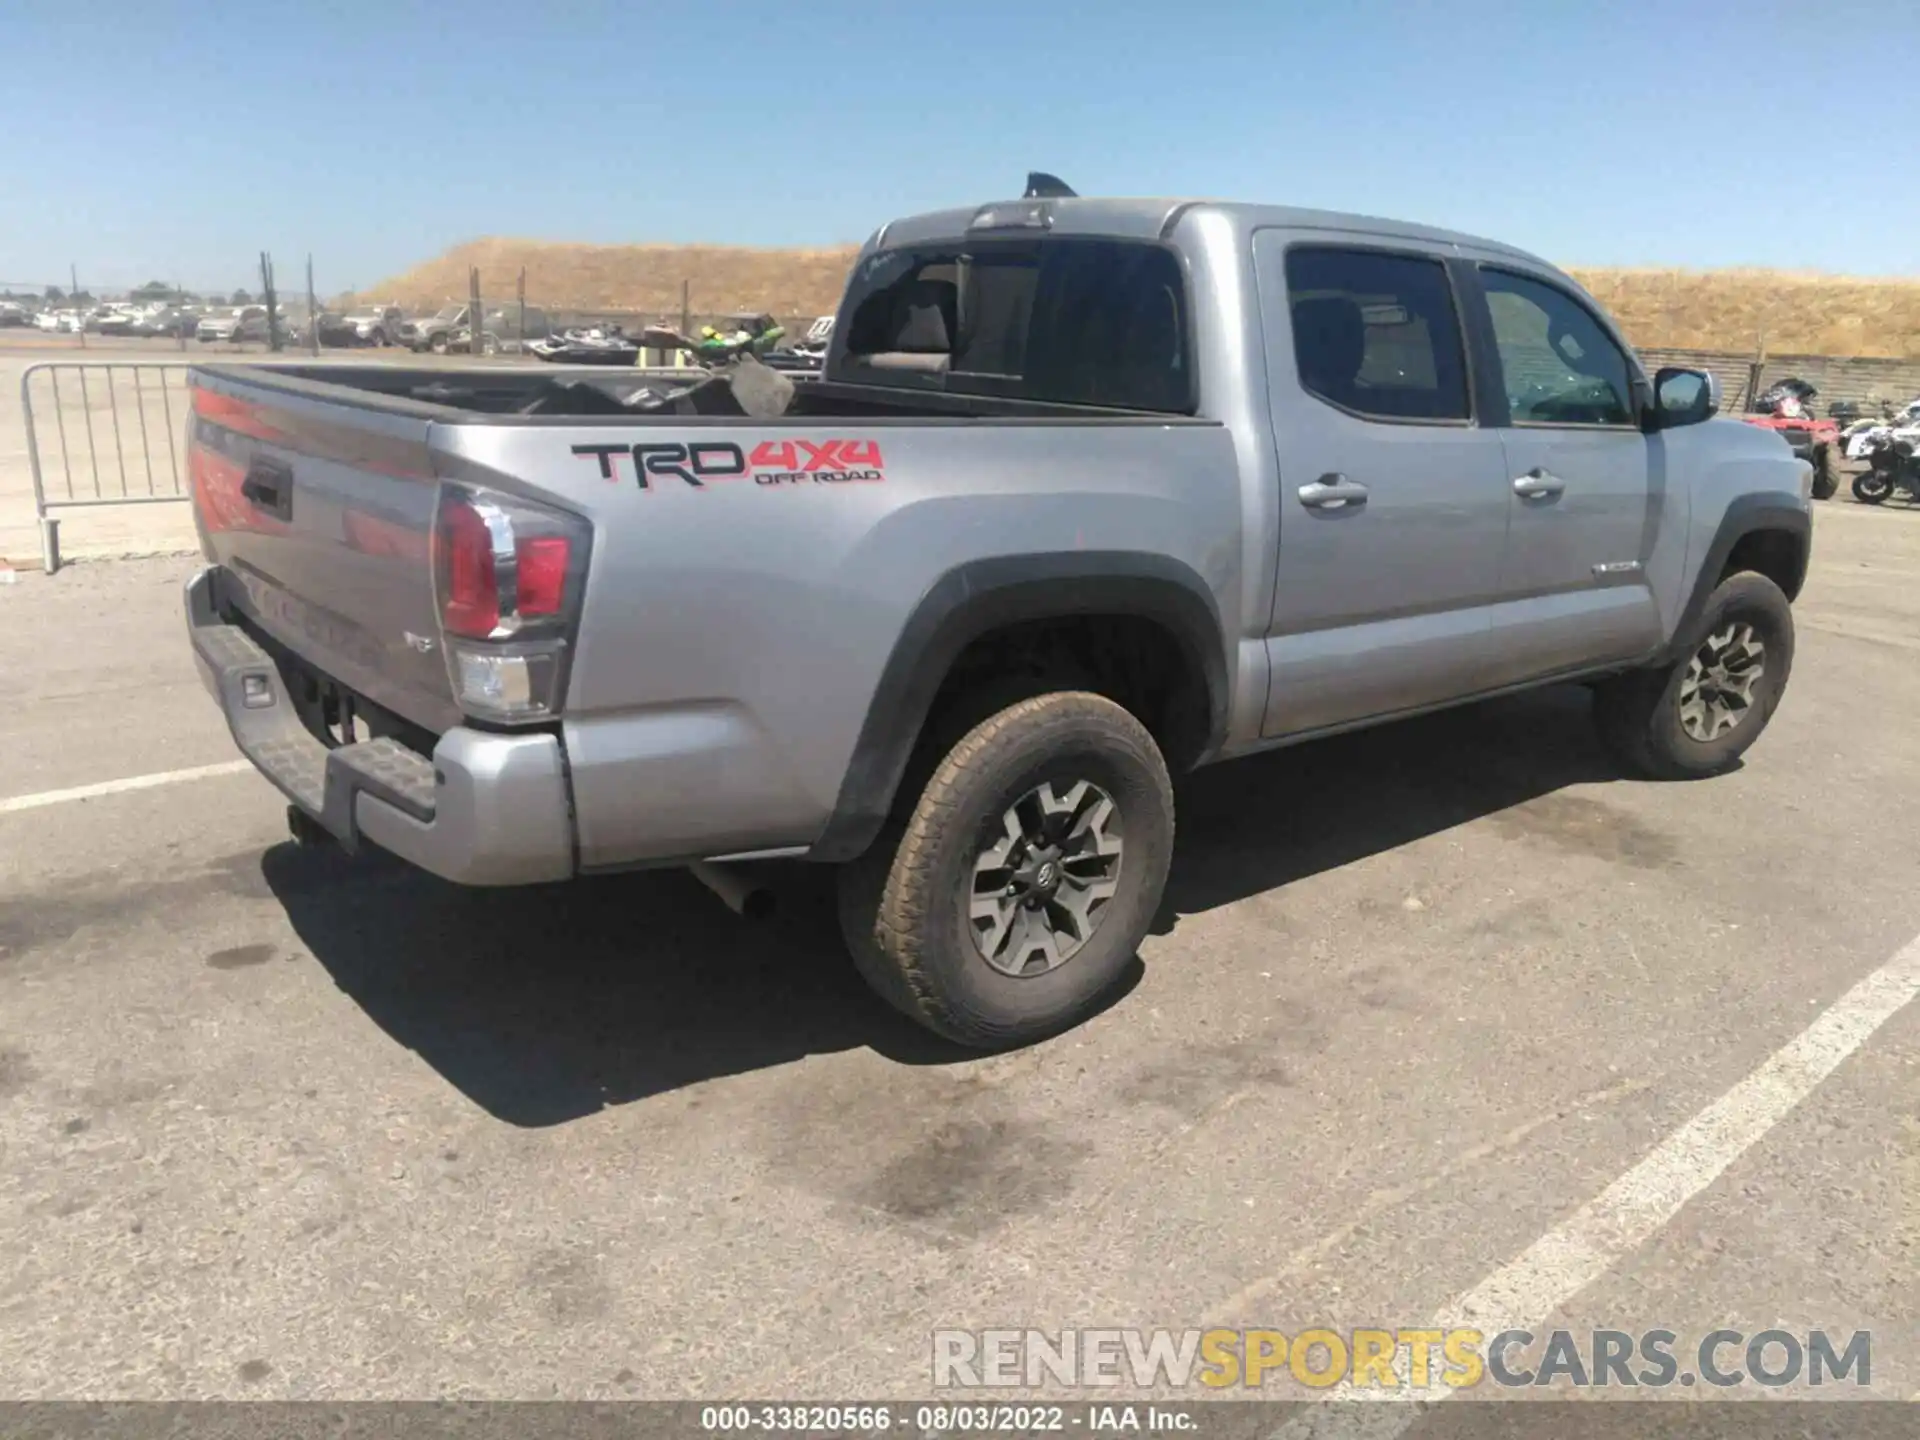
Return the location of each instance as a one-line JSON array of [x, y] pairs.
[[543, 562], [470, 599], [509, 575]]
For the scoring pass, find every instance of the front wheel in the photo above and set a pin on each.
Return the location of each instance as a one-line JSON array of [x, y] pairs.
[[1697, 715], [1872, 487], [1020, 886], [438, 344]]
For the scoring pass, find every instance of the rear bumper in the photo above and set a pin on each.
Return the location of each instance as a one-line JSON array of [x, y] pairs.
[[487, 809]]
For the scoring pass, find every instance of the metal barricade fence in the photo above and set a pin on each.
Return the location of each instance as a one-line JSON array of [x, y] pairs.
[[103, 433]]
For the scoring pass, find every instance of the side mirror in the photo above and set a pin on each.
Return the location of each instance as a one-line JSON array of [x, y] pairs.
[[1685, 397]]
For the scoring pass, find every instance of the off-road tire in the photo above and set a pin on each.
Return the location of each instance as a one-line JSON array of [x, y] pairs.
[[1826, 472], [1638, 714], [903, 903]]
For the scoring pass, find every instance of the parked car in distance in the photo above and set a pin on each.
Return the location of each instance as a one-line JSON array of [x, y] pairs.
[[243, 323], [379, 325], [113, 318], [334, 331], [164, 320], [13, 315], [434, 331], [121, 319], [1217, 478]]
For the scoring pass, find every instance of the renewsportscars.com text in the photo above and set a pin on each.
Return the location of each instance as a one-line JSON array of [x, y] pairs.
[[1412, 1359]]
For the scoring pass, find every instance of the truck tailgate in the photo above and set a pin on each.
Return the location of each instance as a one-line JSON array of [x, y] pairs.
[[322, 512]]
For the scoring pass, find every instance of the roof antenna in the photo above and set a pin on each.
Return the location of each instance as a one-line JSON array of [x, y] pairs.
[[1042, 186]]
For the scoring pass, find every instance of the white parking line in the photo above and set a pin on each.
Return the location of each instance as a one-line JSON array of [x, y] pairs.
[[1572, 1255], [115, 787]]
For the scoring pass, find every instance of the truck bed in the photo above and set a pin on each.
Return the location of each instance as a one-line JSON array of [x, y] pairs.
[[746, 580], [568, 394]]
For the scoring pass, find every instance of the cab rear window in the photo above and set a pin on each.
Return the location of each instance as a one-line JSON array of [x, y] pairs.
[[1065, 321]]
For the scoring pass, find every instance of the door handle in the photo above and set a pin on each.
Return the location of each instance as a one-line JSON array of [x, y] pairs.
[[1538, 483], [269, 486], [1333, 492]]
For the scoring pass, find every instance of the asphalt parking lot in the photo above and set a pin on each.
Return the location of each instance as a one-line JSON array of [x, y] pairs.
[[277, 1123]]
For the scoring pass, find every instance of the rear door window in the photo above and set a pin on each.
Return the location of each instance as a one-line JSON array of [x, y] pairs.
[[1068, 321], [1377, 334]]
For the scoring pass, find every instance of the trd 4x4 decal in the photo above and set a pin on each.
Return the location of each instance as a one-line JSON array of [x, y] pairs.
[[773, 462]]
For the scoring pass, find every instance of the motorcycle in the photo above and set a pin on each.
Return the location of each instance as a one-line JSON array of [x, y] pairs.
[[1893, 465], [1858, 435]]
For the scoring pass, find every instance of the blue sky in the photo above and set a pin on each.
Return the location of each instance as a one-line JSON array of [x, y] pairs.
[[154, 139]]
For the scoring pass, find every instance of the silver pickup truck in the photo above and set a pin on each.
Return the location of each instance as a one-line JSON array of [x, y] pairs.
[[1089, 492]]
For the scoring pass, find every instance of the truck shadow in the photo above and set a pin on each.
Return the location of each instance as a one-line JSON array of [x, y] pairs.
[[1269, 821], [549, 1003]]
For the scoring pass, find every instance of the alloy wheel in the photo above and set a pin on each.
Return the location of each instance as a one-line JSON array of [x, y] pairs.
[[1716, 693], [1042, 884]]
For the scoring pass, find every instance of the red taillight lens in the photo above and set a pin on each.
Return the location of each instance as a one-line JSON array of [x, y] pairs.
[[506, 568], [542, 565], [470, 589]]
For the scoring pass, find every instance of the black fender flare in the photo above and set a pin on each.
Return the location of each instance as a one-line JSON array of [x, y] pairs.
[[972, 599], [1747, 515]]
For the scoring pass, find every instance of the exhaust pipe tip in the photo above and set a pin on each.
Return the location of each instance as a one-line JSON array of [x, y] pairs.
[[745, 897]]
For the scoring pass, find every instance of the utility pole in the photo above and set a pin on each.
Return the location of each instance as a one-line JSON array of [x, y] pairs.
[[313, 313], [476, 345], [271, 301]]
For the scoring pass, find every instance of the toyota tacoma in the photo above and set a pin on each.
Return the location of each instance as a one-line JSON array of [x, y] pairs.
[[1090, 492]]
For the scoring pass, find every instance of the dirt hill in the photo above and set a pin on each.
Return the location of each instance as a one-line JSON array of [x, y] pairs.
[[1743, 310], [631, 278], [1738, 310]]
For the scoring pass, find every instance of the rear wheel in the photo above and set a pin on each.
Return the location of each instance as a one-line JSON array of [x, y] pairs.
[[1015, 893], [1697, 715], [1826, 471]]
